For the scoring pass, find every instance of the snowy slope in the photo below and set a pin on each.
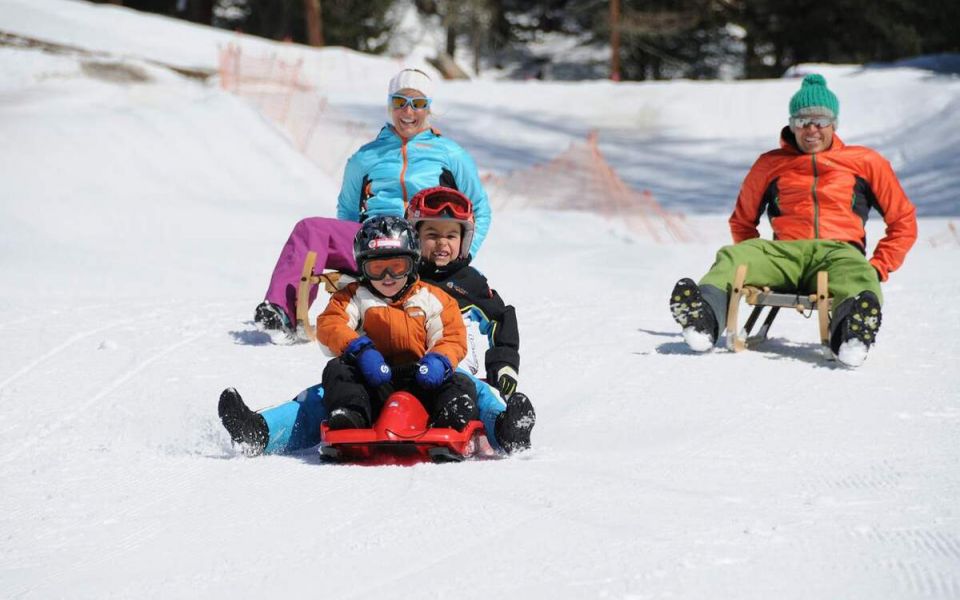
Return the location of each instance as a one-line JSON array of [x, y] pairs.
[[691, 142], [138, 226]]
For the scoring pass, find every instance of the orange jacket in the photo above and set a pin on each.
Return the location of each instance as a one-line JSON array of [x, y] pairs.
[[826, 196], [425, 319]]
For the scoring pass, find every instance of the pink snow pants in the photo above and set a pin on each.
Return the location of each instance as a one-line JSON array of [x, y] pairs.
[[331, 239]]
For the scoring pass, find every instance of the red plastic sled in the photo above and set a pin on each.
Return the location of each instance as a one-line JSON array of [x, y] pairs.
[[401, 437]]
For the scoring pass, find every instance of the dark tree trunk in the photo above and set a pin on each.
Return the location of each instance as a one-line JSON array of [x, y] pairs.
[[200, 11], [615, 40], [314, 17], [451, 39]]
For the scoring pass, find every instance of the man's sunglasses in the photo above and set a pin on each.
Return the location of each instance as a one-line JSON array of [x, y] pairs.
[[395, 266], [398, 101], [802, 122]]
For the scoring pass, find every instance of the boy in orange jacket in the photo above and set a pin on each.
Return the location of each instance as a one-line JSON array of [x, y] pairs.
[[391, 331]]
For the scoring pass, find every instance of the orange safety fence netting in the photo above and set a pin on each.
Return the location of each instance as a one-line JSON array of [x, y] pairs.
[[277, 88], [579, 179]]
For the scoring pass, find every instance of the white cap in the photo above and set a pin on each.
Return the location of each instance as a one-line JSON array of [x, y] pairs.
[[414, 79]]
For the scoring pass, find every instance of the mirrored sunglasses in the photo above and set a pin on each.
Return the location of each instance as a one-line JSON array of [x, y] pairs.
[[398, 101], [820, 122], [394, 266]]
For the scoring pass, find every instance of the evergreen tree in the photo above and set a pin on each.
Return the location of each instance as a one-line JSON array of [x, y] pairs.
[[659, 38], [358, 24], [672, 38], [781, 33]]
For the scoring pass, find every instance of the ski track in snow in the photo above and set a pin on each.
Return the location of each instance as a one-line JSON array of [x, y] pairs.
[[110, 387], [58, 349]]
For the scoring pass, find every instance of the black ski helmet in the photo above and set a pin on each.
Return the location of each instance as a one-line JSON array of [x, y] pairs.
[[380, 237]]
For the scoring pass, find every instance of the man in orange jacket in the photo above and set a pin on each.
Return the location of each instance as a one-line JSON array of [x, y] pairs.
[[817, 193]]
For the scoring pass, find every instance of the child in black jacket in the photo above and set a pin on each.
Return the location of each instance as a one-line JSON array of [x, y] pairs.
[[443, 218]]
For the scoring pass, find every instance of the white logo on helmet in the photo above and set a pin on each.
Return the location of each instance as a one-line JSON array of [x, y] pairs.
[[424, 369], [385, 243]]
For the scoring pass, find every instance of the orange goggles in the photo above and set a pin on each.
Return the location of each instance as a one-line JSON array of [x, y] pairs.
[[395, 266], [440, 204]]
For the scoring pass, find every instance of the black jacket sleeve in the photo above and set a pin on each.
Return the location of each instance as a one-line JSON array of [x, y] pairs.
[[505, 339], [498, 320]]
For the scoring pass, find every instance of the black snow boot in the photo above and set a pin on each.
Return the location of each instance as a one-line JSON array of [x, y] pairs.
[[857, 331], [515, 424], [247, 428], [271, 316], [346, 418], [456, 413], [691, 311]]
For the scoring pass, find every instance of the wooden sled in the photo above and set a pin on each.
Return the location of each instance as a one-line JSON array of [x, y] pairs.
[[308, 279], [760, 298]]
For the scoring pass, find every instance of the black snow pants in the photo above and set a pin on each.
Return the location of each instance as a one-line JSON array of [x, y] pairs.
[[452, 404]]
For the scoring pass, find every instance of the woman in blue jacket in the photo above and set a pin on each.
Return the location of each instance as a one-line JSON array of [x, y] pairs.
[[380, 178]]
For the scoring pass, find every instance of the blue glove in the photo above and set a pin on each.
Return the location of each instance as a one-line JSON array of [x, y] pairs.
[[368, 359], [432, 370]]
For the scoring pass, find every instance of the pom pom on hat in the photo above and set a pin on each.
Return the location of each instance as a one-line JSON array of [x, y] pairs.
[[814, 98], [414, 79]]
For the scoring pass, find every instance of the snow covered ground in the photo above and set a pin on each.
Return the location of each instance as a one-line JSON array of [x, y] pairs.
[[139, 222]]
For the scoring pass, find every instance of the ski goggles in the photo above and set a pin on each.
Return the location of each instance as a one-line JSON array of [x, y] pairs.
[[398, 101], [442, 203], [396, 267], [802, 122]]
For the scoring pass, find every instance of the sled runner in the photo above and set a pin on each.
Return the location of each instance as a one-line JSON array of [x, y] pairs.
[[760, 298], [401, 436], [308, 279]]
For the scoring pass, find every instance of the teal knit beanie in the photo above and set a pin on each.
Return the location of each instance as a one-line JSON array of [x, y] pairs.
[[814, 94]]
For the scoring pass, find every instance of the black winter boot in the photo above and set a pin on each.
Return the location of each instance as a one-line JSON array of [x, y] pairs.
[[694, 315], [346, 418], [515, 424], [247, 428], [456, 413], [271, 316], [857, 331]]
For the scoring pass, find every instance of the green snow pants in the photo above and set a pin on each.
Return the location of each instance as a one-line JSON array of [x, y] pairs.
[[790, 266]]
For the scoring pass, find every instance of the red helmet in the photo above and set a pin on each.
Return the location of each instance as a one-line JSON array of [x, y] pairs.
[[436, 203]]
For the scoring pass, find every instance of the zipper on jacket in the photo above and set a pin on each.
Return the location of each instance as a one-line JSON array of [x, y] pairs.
[[403, 171], [816, 201]]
